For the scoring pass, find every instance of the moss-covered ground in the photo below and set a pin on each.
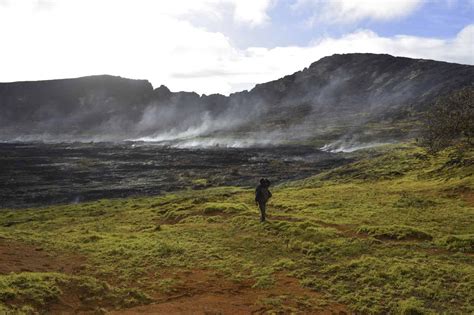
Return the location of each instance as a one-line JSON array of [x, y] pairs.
[[390, 233]]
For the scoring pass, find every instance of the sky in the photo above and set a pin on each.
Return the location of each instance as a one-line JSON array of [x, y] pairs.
[[220, 46]]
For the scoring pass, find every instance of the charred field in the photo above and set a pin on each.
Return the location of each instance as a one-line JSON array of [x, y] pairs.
[[38, 174]]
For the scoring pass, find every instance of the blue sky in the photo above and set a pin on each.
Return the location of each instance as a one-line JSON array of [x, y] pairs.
[[220, 46], [440, 19], [434, 18]]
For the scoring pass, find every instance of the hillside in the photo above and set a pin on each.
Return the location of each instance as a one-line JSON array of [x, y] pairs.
[[389, 233], [364, 96]]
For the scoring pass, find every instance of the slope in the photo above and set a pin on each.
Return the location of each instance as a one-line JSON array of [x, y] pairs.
[[392, 232]]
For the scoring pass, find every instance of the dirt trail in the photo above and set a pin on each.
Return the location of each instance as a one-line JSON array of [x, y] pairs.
[[20, 257], [204, 292]]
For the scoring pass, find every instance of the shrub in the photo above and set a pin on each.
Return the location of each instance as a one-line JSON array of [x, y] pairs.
[[450, 121]]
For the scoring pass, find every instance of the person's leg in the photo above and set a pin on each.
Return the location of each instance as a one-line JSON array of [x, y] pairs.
[[262, 205]]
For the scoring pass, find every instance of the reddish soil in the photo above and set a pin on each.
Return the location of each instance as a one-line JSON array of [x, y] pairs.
[[205, 292], [17, 257], [464, 192], [190, 292], [21, 257], [469, 197]]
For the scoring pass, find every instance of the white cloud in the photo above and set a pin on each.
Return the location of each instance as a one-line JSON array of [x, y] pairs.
[[351, 11], [243, 68], [458, 49], [252, 11], [71, 38]]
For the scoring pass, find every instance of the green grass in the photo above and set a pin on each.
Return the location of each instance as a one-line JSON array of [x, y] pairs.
[[390, 233], [24, 292], [395, 232]]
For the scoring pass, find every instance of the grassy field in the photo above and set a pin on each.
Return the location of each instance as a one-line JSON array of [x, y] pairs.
[[391, 233]]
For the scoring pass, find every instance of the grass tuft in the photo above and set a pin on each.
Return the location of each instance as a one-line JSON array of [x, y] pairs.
[[395, 232]]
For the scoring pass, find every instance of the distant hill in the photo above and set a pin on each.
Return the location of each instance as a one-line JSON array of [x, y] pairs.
[[352, 95]]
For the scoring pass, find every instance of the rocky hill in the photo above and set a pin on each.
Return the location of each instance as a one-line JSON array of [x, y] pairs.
[[338, 96]]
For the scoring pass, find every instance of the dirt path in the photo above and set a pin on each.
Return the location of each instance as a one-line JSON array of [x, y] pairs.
[[20, 257], [205, 292]]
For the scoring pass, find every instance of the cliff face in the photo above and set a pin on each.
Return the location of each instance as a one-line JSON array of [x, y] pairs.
[[343, 92], [85, 105]]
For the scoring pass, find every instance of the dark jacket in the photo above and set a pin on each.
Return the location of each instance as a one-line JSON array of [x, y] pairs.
[[262, 194]]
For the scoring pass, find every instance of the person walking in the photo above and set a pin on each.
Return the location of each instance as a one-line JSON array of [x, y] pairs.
[[262, 195]]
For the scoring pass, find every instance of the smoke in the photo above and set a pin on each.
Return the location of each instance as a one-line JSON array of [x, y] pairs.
[[347, 147], [177, 133], [224, 143], [196, 123], [218, 132], [186, 128]]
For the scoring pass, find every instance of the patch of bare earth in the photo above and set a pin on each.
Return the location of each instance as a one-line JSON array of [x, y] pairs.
[[205, 292], [466, 193], [469, 197], [20, 257]]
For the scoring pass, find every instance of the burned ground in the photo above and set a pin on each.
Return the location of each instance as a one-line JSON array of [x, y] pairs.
[[38, 174]]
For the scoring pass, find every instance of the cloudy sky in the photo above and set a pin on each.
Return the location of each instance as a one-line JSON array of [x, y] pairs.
[[220, 46]]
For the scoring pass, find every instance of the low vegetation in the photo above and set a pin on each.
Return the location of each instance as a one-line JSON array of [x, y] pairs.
[[27, 292], [390, 233]]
